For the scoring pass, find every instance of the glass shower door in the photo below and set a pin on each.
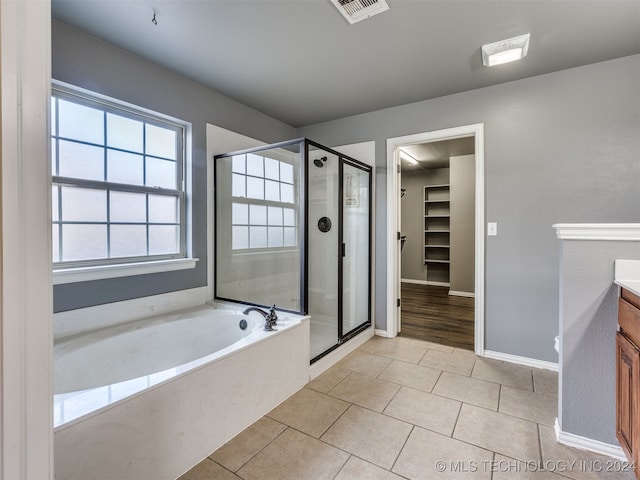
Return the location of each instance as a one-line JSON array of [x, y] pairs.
[[259, 246], [293, 227], [355, 248], [323, 224]]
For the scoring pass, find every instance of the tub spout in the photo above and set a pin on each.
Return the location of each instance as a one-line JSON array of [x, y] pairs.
[[270, 318]]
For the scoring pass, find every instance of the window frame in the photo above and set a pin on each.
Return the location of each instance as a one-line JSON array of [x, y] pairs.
[[108, 267]]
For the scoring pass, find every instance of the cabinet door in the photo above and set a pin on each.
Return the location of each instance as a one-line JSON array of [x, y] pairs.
[[627, 396]]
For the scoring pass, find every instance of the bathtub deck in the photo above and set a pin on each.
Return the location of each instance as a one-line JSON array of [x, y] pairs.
[[161, 432]]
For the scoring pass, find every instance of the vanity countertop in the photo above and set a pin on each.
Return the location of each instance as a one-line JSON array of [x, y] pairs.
[[627, 275]]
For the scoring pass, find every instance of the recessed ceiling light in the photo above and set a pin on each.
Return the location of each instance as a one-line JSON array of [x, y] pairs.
[[505, 51]]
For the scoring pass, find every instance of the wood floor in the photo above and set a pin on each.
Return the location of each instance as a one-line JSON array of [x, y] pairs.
[[430, 313]]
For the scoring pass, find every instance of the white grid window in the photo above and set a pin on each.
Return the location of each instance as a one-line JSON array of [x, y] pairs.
[[263, 212], [117, 190]]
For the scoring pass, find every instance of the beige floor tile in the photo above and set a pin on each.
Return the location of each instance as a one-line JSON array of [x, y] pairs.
[[373, 344], [295, 456], [309, 411], [545, 381], [438, 347], [208, 470], [370, 342], [365, 391], [582, 464], [536, 407], [505, 373], [464, 351], [328, 379], [425, 410], [428, 455], [406, 351], [468, 390], [501, 433], [369, 435], [505, 468], [358, 469], [364, 363], [240, 449], [410, 375], [448, 361]]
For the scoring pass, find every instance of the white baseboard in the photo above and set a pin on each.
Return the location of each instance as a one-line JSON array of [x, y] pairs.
[[425, 282], [381, 333], [456, 293], [339, 353], [411, 280], [439, 284], [583, 443], [526, 361]]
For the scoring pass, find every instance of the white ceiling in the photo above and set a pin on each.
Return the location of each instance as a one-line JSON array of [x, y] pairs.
[[301, 62]]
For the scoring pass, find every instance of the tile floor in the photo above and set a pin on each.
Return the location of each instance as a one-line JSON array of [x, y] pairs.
[[408, 409]]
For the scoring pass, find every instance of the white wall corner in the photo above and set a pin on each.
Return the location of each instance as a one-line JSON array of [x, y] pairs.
[[381, 333], [26, 386]]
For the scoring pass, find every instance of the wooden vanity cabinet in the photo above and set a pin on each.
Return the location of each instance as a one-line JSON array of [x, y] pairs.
[[628, 377]]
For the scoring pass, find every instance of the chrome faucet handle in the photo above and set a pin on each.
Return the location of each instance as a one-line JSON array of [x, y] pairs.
[[268, 326], [273, 315]]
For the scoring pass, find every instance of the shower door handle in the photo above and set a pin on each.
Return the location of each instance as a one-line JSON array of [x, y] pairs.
[[344, 249]]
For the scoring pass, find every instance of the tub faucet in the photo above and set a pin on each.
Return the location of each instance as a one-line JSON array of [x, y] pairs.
[[273, 315], [270, 318]]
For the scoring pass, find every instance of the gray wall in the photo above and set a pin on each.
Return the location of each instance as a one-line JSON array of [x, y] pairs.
[[412, 224], [588, 322], [84, 61], [561, 147], [463, 221]]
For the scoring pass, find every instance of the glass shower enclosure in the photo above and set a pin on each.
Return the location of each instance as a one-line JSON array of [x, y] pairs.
[[293, 227]]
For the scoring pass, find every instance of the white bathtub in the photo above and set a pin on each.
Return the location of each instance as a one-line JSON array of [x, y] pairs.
[[151, 398], [148, 347]]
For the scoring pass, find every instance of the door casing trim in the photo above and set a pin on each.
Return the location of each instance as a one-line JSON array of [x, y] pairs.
[[393, 196]]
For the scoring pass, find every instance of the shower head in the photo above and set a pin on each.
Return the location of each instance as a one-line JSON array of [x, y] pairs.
[[318, 162]]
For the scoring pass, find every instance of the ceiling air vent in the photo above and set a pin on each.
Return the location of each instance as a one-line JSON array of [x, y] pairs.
[[356, 10]]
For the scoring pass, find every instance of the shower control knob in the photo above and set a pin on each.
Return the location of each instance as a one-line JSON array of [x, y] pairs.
[[324, 224]]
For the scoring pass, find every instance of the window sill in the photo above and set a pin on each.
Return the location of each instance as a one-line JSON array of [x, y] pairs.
[[86, 274]]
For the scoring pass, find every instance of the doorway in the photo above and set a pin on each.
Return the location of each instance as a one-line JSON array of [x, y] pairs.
[[431, 281], [437, 218]]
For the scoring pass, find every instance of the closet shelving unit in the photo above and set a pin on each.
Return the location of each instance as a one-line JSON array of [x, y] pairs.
[[437, 228]]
